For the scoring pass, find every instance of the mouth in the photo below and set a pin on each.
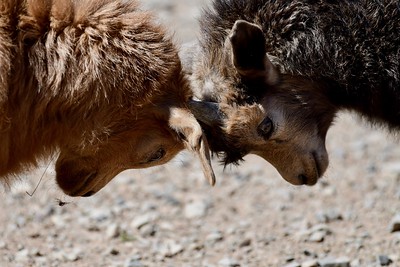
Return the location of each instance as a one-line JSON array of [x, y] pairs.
[[306, 180], [75, 181], [77, 176], [317, 170], [86, 189]]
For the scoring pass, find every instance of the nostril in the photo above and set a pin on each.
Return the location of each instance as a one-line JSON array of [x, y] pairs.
[[88, 194], [302, 178]]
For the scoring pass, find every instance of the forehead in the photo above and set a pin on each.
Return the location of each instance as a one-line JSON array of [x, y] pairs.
[[143, 127], [138, 142], [274, 109]]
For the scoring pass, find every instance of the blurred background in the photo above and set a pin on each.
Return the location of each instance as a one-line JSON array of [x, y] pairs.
[[170, 216]]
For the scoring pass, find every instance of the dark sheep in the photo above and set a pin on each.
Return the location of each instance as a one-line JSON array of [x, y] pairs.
[[280, 71]]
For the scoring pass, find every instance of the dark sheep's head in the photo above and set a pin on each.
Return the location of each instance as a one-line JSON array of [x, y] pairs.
[[280, 117]]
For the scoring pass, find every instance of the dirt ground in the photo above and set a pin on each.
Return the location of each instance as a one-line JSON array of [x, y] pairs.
[[170, 216]]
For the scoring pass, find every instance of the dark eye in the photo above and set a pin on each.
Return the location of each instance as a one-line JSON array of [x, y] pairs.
[[265, 128], [156, 156]]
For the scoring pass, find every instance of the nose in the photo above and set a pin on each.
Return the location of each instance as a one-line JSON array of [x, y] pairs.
[[306, 180], [302, 179]]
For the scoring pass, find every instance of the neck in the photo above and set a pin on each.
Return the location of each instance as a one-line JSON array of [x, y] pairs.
[[378, 104], [31, 134]]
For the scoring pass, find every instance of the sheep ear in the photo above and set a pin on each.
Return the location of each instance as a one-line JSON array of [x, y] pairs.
[[249, 52], [183, 122]]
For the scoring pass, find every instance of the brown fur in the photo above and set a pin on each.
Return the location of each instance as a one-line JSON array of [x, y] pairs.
[[96, 81]]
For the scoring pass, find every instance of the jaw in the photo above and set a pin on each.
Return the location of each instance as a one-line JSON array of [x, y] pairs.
[[76, 178], [298, 167]]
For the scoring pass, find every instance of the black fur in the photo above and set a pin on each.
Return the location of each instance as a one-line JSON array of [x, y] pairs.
[[353, 44], [350, 49]]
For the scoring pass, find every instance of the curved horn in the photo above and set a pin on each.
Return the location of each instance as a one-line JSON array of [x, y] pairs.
[[185, 123], [206, 112]]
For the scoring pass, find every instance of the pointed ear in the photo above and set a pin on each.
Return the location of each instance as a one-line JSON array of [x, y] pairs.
[[249, 52], [185, 124]]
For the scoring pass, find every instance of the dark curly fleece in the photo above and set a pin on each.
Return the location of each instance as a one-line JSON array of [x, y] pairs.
[[351, 46]]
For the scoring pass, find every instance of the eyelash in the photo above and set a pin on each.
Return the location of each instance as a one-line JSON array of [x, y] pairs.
[[159, 154]]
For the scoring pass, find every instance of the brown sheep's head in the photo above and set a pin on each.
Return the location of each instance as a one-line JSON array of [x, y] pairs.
[[282, 118], [107, 88], [133, 143]]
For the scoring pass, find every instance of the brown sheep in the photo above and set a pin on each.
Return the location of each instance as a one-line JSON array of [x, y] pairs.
[[281, 70], [95, 81]]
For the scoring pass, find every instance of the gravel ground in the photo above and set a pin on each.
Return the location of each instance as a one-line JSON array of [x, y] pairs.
[[169, 216]]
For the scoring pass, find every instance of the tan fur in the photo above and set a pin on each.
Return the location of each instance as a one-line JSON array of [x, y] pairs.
[[94, 80]]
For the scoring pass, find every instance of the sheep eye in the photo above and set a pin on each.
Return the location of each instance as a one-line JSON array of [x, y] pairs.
[[265, 128], [159, 154]]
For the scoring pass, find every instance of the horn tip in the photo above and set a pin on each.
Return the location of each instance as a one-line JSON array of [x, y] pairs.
[[212, 180]]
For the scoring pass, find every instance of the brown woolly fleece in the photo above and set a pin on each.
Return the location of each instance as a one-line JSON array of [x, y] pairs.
[[97, 81]]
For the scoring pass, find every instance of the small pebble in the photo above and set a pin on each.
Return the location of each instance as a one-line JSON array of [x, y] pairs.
[[356, 263], [196, 209], [58, 221], [133, 263], [73, 255], [170, 248], [329, 216], [100, 215], [35, 252], [22, 255], [384, 260], [293, 264], [135, 257], [148, 230], [317, 237], [317, 233], [334, 262], [214, 237], [228, 262], [395, 224], [310, 263], [321, 228], [289, 258], [112, 230], [20, 221], [310, 254], [195, 246], [245, 243], [113, 252], [3, 245], [141, 220]]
